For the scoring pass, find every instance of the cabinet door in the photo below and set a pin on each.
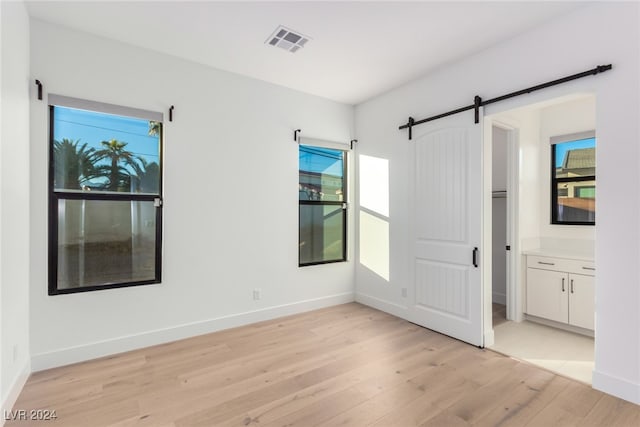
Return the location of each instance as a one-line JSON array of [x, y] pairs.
[[548, 294], [581, 300]]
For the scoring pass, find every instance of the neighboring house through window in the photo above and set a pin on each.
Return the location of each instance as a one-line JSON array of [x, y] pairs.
[[105, 187], [573, 179]]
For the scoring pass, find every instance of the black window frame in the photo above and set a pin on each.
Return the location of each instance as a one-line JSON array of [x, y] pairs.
[[555, 181], [54, 196], [343, 204]]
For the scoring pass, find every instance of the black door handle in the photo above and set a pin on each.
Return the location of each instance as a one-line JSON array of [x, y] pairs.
[[475, 257]]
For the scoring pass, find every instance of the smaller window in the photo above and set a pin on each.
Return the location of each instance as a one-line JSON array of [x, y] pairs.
[[573, 179], [322, 211]]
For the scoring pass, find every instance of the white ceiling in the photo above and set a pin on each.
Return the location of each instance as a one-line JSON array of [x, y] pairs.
[[358, 49]]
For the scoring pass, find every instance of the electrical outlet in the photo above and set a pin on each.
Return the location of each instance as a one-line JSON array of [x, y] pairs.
[[257, 294], [404, 292]]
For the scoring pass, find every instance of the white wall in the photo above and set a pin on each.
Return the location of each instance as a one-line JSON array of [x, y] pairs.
[[230, 212], [14, 200], [594, 34], [500, 139], [530, 212]]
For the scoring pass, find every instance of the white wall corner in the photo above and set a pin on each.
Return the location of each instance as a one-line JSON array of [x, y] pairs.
[[14, 391], [616, 386], [95, 350]]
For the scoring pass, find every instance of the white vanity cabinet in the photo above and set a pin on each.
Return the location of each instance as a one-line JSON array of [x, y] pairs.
[[561, 290], [581, 300]]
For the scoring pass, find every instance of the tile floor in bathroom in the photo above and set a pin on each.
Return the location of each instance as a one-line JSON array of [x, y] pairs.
[[559, 351]]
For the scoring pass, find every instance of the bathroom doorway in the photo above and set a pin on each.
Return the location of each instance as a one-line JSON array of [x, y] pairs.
[[526, 243]]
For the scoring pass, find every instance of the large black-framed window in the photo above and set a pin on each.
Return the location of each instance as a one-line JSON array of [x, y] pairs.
[[105, 196], [322, 205], [573, 179]]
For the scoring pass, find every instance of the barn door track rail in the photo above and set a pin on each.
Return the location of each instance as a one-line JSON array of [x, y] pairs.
[[478, 102]]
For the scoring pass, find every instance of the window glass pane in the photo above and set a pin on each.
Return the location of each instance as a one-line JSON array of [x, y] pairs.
[[576, 201], [103, 242], [321, 174], [575, 158], [104, 152], [321, 233]]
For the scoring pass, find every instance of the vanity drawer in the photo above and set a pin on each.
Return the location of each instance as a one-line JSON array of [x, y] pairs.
[[562, 264]]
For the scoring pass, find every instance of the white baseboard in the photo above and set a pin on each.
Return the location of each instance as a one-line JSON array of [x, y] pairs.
[[616, 386], [383, 305], [14, 391], [67, 356], [498, 298]]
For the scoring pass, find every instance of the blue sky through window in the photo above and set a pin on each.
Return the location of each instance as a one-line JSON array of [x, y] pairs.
[[92, 128], [321, 160]]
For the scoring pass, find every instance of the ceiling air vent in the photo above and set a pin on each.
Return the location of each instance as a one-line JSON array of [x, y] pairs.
[[287, 39]]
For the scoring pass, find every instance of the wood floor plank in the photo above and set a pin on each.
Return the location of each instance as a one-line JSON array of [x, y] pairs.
[[476, 404], [613, 411], [201, 396], [321, 410], [445, 418], [568, 408], [388, 399], [535, 390], [346, 365], [312, 374], [397, 367], [442, 388]]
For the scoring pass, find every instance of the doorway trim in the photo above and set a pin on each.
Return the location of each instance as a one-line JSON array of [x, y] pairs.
[[514, 265], [514, 262]]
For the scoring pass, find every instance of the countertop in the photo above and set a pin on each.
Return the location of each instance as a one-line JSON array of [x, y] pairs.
[[561, 253]]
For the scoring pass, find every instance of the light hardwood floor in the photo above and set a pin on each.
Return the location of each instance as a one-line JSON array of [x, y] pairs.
[[344, 365]]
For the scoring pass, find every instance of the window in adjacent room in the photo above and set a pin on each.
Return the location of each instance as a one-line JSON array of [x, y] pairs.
[[322, 205], [573, 179], [105, 189]]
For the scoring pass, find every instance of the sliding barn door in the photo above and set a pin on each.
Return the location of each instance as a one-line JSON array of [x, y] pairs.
[[446, 227]]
